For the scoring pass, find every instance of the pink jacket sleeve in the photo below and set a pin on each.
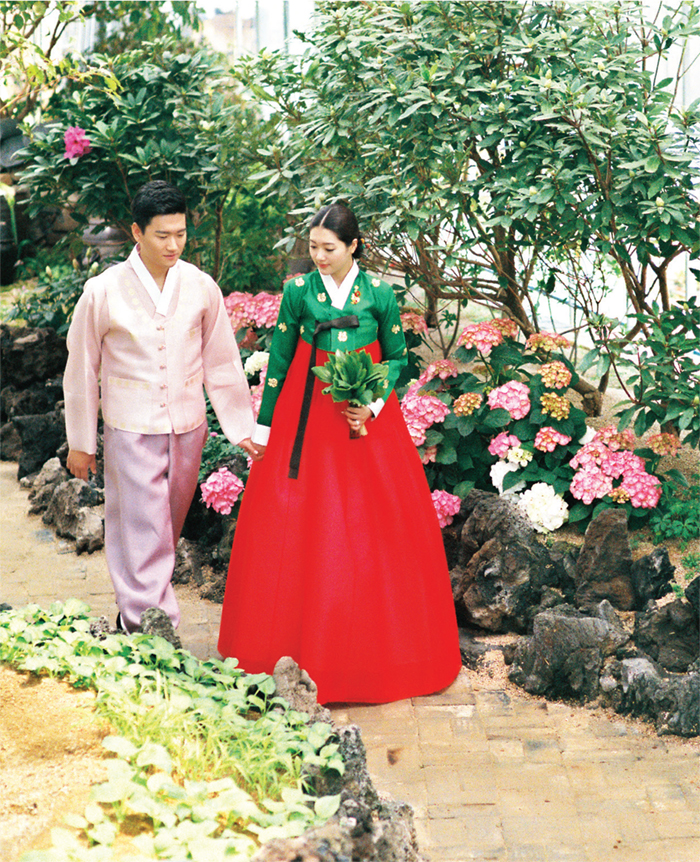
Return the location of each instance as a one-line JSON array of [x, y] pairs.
[[81, 388]]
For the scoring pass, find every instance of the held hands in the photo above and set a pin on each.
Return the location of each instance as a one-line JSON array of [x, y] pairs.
[[80, 464], [255, 450], [357, 416]]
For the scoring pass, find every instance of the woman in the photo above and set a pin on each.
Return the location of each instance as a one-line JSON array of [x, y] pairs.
[[338, 559]]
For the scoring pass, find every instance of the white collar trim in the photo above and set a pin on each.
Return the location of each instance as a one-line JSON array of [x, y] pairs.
[[161, 298], [339, 292]]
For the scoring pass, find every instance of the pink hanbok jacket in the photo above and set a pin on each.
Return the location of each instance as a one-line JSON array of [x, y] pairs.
[[151, 367]]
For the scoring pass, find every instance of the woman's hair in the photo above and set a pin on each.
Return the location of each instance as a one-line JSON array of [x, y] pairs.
[[156, 198], [339, 218]]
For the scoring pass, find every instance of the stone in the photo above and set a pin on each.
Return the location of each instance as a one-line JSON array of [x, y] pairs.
[[44, 484], [188, 565], [502, 567], [10, 442], [604, 564], [30, 355], [651, 577], [156, 622], [89, 529], [672, 701], [41, 436], [669, 634], [296, 687], [565, 654], [692, 594], [64, 509], [328, 843], [41, 397]]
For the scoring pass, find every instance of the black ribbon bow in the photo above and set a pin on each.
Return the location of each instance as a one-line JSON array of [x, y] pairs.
[[351, 321]]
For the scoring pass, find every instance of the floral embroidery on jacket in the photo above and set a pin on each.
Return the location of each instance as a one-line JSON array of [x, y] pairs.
[[342, 336], [282, 326], [272, 383], [356, 296], [299, 282], [321, 297]]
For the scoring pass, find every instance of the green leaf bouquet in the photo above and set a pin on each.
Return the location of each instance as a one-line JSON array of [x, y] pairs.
[[353, 377]]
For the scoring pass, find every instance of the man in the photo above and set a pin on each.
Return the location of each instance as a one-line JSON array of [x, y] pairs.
[[149, 333]]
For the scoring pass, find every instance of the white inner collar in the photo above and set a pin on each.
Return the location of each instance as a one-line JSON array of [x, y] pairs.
[[339, 292], [161, 298]]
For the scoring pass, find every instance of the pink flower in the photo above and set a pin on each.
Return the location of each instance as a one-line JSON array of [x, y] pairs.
[[615, 439], [446, 506], [221, 490], [555, 405], [555, 375], [412, 321], [501, 443], [259, 310], [644, 489], [513, 397], [590, 484], [484, 336], [420, 412], [76, 141], [547, 439], [442, 368]]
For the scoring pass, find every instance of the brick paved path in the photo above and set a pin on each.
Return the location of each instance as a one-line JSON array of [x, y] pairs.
[[491, 774]]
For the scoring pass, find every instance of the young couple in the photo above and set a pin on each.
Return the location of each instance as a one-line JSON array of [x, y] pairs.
[[337, 559]]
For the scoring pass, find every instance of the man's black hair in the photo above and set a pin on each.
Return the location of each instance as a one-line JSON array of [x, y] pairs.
[[156, 198]]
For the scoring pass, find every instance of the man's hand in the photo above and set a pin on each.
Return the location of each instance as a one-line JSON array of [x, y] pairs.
[[255, 450], [80, 464]]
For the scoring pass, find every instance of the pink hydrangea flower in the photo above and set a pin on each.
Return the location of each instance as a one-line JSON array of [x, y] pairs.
[[76, 141], [502, 443], [589, 485], [484, 336], [420, 412], [413, 321], [615, 439], [257, 310], [513, 397], [442, 368], [555, 405], [547, 439], [221, 490], [644, 489], [446, 506]]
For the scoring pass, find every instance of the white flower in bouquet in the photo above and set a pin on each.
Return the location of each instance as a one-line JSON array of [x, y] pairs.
[[256, 362], [498, 473], [544, 507]]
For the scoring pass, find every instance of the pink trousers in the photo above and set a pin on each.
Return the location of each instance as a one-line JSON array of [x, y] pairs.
[[150, 480]]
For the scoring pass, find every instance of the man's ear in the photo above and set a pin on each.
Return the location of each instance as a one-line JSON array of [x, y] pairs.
[[136, 232]]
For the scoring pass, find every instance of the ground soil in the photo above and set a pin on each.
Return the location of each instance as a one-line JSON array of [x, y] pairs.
[[50, 751]]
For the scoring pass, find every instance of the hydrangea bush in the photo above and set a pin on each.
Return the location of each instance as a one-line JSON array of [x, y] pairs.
[[499, 417]]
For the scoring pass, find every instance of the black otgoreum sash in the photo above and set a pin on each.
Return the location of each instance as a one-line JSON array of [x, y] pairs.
[[351, 321]]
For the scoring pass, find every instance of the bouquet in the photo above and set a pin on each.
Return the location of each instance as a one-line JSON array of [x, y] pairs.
[[354, 378]]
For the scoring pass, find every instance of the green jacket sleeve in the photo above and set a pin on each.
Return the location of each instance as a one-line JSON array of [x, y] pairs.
[[390, 334], [284, 342]]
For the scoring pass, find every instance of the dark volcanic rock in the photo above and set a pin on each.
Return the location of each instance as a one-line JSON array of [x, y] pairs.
[[604, 565], [669, 634], [651, 577]]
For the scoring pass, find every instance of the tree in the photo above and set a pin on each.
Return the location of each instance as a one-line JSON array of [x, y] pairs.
[[32, 63], [162, 114], [495, 149]]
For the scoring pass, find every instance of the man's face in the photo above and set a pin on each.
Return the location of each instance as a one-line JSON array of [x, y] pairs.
[[162, 242]]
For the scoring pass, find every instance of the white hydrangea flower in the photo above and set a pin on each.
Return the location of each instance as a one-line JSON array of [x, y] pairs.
[[544, 507], [498, 473], [518, 456], [256, 362]]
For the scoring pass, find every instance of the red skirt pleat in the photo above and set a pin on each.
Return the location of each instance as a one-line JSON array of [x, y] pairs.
[[343, 568]]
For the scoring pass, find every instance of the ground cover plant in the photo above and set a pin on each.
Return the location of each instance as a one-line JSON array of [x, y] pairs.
[[207, 763]]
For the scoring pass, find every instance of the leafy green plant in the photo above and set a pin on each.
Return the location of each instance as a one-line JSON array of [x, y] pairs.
[[52, 301], [677, 516], [208, 761], [691, 563], [352, 377]]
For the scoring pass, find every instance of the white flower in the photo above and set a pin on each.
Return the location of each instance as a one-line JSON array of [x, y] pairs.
[[498, 473], [518, 456], [544, 507], [588, 435], [256, 362]]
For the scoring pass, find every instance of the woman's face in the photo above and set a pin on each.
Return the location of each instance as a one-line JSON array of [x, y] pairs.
[[330, 254]]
